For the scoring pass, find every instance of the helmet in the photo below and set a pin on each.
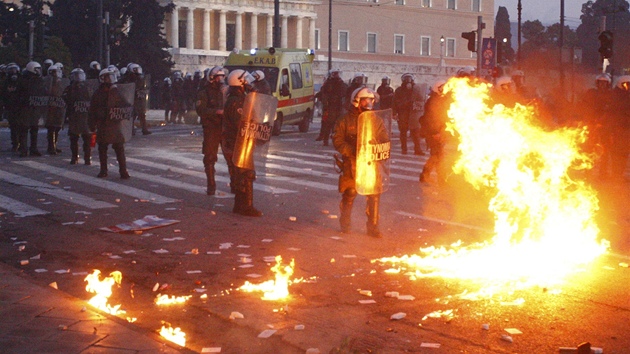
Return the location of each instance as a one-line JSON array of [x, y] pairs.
[[359, 78], [258, 75], [77, 75], [136, 69], [215, 71], [54, 70], [503, 81], [177, 75], [623, 82], [603, 77], [335, 72], [167, 81], [34, 67], [518, 73], [466, 71], [360, 93], [129, 65], [407, 78], [438, 86], [48, 62], [197, 74], [239, 77], [108, 76], [59, 65], [386, 80], [12, 69], [95, 65], [123, 71], [188, 76]]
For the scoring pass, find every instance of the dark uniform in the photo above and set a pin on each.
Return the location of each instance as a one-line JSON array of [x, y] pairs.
[[34, 104], [386, 95], [166, 98], [56, 110], [10, 100], [210, 102], [108, 131], [619, 127], [595, 107], [77, 97], [433, 128], [140, 100], [179, 101], [408, 106], [332, 94]]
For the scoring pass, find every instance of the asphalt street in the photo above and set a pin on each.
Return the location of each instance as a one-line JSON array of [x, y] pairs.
[[52, 213]]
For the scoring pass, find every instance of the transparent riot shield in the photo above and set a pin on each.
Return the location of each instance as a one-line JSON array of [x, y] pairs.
[[92, 85], [373, 152], [255, 129], [142, 92], [36, 108], [120, 108]]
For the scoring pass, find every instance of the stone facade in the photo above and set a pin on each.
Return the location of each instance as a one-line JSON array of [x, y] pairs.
[[390, 38]]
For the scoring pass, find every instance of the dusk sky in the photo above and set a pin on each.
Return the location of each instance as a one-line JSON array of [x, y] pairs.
[[547, 11]]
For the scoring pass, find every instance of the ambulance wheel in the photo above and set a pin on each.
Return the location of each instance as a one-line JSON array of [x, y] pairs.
[[277, 125], [306, 121]]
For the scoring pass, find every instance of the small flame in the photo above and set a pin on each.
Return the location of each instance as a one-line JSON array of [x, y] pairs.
[[175, 335], [544, 216], [274, 289], [103, 290], [166, 300]]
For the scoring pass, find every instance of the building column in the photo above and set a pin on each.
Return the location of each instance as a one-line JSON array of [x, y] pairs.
[[254, 31], [206, 29], [222, 30], [311, 33], [238, 38], [298, 32], [175, 28], [269, 37], [190, 29], [284, 42]]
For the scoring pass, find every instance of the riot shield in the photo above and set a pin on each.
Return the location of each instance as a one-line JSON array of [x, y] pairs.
[[142, 92], [373, 152], [37, 106], [92, 85], [120, 108], [255, 129]]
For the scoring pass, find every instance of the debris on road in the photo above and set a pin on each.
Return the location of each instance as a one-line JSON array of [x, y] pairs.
[[146, 223], [398, 316]]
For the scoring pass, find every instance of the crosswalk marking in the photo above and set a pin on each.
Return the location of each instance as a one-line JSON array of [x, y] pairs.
[[99, 182], [18, 208], [330, 163], [416, 216], [197, 163], [53, 191]]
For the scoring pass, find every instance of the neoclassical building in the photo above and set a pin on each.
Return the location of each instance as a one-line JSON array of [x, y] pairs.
[[375, 37]]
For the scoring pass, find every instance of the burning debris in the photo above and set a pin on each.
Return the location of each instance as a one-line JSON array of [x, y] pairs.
[[175, 335], [103, 290], [541, 211], [274, 289], [172, 300]]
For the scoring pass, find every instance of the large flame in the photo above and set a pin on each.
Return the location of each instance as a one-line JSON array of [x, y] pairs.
[[274, 289], [166, 300], [103, 290], [175, 335], [544, 217]]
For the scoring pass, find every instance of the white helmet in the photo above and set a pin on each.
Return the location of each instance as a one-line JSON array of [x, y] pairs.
[[108, 76], [115, 70], [360, 93], [59, 65], [123, 71], [167, 80], [136, 69], [215, 71], [95, 65], [603, 77], [623, 82], [438, 86], [54, 70], [239, 77], [386, 80], [34, 67], [503, 81], [466, 71], [258, 75], [177, 75], [77, 75], [407, 78]]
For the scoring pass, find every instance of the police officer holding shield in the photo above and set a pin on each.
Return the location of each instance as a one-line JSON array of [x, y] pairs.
[[34, 105], [362, 138], [109, 122], [77, 97]]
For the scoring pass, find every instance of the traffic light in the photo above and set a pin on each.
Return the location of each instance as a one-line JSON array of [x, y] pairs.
[[471, 37], [606, 44]]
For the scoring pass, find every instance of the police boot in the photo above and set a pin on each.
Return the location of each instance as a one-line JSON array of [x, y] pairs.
[[403, 143], [87, 152], [212, 185], [102, 156], [51, 142], [345, 209], [33, 150], [57, 149], [417, 149], [122, 164], [372, 213], [248, 201], [74, 151]]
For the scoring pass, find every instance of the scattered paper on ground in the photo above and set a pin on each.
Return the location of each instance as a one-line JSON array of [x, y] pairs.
[[365, 302], [429, 345], [266, 333], [513, 331], [146, 223]]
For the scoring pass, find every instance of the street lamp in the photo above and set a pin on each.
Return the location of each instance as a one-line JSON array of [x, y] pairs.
[[442, 40]]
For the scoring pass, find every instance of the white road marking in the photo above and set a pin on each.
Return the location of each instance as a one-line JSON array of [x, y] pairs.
[[416, 216], [18, 208], [53, 191], [99, 182]]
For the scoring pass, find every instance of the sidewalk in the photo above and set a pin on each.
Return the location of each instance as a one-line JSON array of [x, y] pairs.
[[40, 319]]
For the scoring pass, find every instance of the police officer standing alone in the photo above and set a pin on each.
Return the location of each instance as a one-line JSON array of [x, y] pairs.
[[210, 102], [345, 141], [108, 130], [408, 106], [238, 80]]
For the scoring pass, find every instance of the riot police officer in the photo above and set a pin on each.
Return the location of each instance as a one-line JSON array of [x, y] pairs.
[[77, 97], [345, 142], [409, 106], [108, 130], [135, 75], [239, 83], [332, 95], [94, 70], [210, 102], [166, 98], [33, 107], [619, 127], [260, 84], [56, 107], [10, 100], [385, 93], [434, 129]]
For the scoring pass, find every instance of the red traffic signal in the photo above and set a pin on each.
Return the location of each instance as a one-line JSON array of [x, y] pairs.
[[606, 44], [472, 39]]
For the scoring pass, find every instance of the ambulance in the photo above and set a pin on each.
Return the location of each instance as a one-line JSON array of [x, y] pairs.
[[290, 75]]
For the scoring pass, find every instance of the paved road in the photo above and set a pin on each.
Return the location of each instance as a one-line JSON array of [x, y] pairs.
[[56, 209]]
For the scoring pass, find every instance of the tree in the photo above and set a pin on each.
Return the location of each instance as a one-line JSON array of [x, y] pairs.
[[502, 30]]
